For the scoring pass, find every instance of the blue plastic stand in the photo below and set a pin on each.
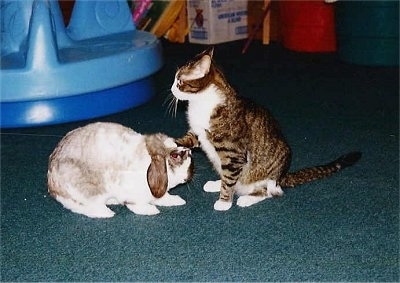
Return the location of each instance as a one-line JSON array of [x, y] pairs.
[[50, 74]]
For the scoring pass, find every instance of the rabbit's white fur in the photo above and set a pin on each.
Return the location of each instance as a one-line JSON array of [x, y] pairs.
[[106, 163]]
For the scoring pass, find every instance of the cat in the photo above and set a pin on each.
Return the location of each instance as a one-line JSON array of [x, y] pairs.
[[240, 138]]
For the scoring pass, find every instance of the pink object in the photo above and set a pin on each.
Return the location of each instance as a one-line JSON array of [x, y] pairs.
[[141, 7]]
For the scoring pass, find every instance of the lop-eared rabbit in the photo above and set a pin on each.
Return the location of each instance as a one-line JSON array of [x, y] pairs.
[[106, 163]]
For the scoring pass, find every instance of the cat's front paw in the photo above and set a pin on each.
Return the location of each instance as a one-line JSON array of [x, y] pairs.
[[212, 186], [222, 205]]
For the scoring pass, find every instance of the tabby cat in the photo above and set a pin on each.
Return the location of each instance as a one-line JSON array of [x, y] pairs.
[[241, 139]]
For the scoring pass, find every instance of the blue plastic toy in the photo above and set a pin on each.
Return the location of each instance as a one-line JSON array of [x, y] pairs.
[[100, 64]]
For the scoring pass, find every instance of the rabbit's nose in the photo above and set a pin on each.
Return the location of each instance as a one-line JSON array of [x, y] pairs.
[[186, 153]]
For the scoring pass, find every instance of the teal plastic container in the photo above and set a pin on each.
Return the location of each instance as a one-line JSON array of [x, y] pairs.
[[368, 32]]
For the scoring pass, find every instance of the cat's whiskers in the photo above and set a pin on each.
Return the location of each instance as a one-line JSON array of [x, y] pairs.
[[172, 105], [168, 100]]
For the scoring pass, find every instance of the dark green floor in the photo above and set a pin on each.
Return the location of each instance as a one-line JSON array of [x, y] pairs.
[[345, 228]]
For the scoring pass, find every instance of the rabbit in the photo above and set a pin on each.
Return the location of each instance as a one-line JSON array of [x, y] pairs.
[[103, 164]]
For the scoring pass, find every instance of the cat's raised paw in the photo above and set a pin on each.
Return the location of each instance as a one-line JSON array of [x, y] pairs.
[[212, 186], [221, 205]]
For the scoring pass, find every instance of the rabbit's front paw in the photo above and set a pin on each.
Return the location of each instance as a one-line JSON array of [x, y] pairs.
[[143, 209], [169, 200]]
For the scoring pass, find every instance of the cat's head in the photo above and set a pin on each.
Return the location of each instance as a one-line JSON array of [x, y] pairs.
[[195, 76]]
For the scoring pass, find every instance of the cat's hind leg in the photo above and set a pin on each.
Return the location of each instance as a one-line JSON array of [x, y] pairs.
[[259, 192], [251, 194], [274, 190], [248, 200]]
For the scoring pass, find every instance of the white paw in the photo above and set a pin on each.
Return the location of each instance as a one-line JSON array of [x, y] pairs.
[[273, 190], [212, 186], [143, 209], [221, 205], [245, 201], [99, 212], [169, 200]]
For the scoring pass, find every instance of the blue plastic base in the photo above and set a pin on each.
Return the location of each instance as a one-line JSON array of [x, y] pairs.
[[76, 107], [51, 74]]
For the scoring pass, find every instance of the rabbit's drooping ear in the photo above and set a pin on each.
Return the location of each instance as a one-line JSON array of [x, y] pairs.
[[157, 177]]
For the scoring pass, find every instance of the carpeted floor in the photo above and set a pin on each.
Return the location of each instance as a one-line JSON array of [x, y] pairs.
[[345, 228]]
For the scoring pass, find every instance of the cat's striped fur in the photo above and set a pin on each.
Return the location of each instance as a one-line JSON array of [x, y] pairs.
[[241, 139]]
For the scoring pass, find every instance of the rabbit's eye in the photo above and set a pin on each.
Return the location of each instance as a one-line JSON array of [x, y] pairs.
[[174, 155]]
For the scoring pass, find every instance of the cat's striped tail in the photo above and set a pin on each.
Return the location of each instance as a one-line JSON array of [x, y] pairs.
[[306, 175]]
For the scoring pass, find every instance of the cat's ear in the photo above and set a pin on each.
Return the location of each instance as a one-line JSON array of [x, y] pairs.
[[209, 51], [204, 64], [200, 68]]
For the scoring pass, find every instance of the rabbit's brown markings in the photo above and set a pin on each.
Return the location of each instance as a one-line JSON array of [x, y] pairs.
[[107, 163]]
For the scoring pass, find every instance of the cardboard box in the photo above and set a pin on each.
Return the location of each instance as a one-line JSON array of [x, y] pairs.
[[217, 21]]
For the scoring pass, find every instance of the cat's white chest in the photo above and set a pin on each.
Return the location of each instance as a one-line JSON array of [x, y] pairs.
[[199, 113], [199, 117], [200, 109]]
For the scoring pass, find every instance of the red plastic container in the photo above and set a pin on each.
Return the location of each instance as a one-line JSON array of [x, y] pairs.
[[308, 26]]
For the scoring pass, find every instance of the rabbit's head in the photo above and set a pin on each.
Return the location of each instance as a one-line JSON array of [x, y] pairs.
[[170, 165]]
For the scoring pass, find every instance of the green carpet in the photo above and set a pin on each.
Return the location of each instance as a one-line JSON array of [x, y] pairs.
[[344, 228]]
